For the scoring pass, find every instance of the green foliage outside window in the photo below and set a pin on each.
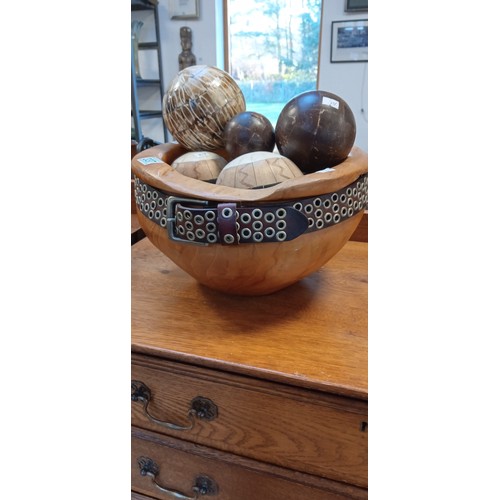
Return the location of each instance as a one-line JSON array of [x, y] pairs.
[[273, 48]]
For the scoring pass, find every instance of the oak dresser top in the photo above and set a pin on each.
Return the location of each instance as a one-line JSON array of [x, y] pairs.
[[313, 334]]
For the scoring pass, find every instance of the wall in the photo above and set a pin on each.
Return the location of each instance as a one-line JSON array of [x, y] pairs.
[[347, 80]]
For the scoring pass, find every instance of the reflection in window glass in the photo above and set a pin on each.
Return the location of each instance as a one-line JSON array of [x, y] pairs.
[[273, 50]]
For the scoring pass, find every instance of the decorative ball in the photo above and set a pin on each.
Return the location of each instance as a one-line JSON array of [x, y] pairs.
[[259, 169], [247, 132], [316, 130], [198, 103], [201, 165]]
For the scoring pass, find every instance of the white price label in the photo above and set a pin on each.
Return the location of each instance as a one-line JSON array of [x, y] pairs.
[[149, 159], [328, 101]]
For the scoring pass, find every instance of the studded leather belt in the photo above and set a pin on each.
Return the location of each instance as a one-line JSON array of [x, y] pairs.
[[204, 222]]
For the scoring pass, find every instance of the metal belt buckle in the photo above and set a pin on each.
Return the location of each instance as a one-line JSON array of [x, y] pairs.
[[172, 201]]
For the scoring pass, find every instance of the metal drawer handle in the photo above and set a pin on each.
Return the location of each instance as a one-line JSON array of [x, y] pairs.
[[203, 485], [201, 408]]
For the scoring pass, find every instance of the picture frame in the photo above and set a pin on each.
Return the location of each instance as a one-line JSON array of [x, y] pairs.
[[349, 41], [184, 9], [356, 6]]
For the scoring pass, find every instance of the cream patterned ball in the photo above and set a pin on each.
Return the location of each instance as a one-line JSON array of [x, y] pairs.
[[198, 103], [258, 169], [201, 165]]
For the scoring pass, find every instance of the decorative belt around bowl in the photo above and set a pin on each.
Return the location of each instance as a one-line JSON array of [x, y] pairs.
[[204, 222]]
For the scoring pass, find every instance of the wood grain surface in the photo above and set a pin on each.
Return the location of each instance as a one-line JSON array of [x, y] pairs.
[[295, 428], [237, 478], [312, 334]]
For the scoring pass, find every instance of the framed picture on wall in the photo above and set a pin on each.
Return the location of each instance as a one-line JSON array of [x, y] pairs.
[[184, 9], [349, 41], [356, 6]]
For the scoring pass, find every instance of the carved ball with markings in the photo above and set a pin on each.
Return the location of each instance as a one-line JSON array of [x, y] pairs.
[[258, 169], [198, 103], [316, 130], [201, 165]]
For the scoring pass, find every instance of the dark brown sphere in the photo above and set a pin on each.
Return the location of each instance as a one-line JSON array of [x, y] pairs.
[[316, 130], [248, 132]]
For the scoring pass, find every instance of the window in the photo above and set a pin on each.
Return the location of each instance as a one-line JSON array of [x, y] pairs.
[[273, 50]]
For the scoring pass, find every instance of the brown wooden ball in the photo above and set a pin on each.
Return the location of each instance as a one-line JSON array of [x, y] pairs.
[[258, 169], [247, 132], [201, 165], [316, 130]]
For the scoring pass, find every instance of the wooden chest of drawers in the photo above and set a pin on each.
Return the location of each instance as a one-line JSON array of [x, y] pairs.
[[258, 398]]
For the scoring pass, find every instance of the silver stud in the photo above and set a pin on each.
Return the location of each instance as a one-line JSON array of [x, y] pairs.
[[281, 236], [258, 236], [227, 213], [228, 238], [269, 217], [245, 218]]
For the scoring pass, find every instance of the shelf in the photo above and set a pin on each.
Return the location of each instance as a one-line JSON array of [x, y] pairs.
[[156, 83], [149, 113], [143, 4], [147, 81], [148, 45]]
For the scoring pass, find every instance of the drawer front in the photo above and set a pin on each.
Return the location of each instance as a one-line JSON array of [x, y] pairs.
[[302, 430], [162, 465]]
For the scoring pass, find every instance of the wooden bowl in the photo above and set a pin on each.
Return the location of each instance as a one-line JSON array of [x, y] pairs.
[[250, 268]]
